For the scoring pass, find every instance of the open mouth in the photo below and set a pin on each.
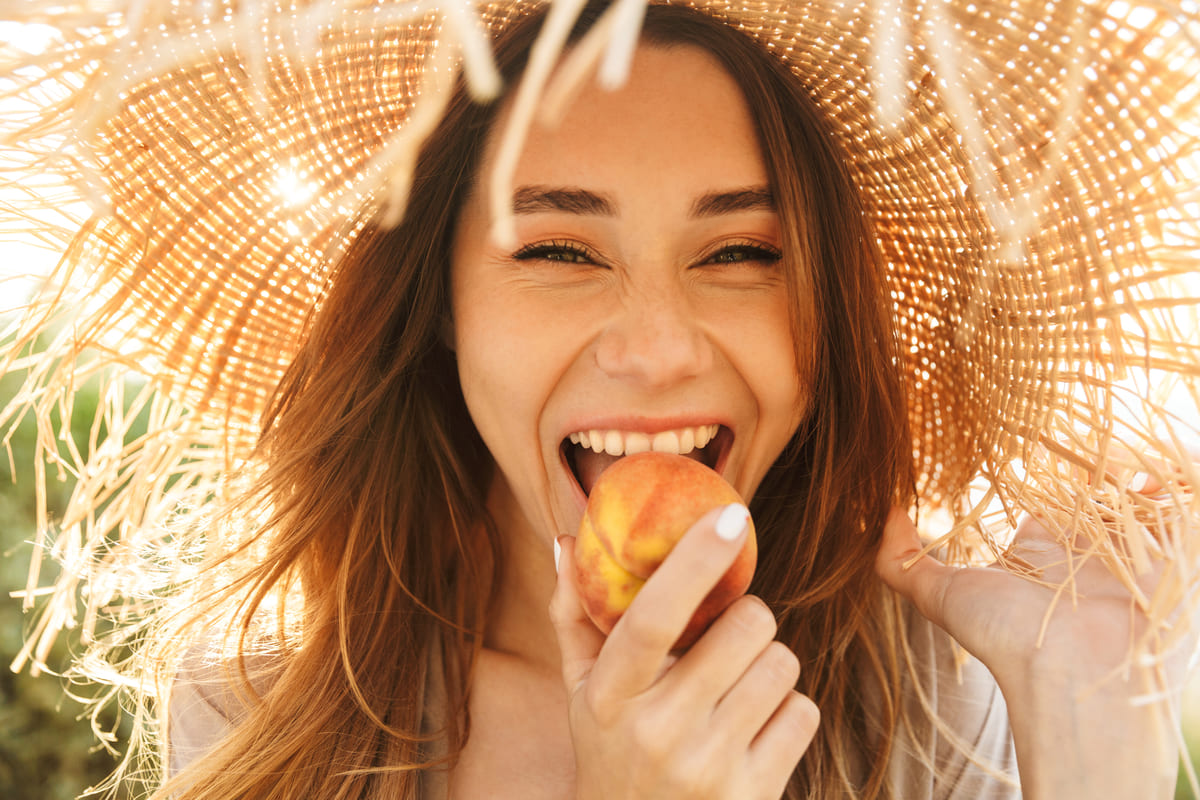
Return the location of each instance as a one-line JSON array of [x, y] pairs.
[[588, 453]]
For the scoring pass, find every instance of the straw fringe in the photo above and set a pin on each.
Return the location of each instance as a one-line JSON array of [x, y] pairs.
[[1111, 317]]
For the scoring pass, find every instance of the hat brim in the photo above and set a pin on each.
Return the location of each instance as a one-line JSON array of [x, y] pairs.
[[1030, 171]]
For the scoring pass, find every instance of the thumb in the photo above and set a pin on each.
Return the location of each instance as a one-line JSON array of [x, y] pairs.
[[579, 640], [925, 581]]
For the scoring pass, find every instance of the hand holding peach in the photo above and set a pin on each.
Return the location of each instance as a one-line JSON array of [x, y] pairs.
[[638, 510]]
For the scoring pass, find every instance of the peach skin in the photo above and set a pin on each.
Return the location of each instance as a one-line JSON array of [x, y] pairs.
[[638, 510]]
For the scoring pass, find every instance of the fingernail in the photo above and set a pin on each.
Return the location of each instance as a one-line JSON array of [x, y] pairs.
[[732, 521], [557, 553]]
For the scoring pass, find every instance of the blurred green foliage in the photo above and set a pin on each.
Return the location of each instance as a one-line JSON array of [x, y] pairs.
[[48, 750], [1191, 730]]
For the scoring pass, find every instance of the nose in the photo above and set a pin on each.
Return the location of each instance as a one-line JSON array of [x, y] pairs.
[[655, 340]]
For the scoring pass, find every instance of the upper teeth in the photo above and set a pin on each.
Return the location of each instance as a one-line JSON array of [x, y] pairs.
[[626, 443]]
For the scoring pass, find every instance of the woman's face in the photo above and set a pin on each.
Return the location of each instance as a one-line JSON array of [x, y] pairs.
[[644, 304]]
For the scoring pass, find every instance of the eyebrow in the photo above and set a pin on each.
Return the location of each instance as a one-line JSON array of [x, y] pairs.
[[532, 199], [570, 200], [717, 203]]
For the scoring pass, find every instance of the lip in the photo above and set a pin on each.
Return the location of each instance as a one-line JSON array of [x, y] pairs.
[[642, 424]]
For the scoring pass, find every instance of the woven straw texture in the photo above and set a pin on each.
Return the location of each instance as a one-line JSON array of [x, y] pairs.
[[1031, 170]]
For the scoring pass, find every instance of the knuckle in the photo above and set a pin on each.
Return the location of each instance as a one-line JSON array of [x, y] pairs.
[[753, 616], [801, 714], [781, 663]]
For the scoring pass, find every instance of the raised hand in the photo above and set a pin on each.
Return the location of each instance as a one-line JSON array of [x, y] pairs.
[[1081, 722], [720, 720]]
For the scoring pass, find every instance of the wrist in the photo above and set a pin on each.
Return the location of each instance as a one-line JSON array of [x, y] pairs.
[[1076, 739]]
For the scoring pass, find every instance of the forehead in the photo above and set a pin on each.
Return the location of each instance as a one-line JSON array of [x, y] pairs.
[[679, 115]]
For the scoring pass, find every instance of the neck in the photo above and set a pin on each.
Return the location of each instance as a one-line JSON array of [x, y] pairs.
[[519, 623]]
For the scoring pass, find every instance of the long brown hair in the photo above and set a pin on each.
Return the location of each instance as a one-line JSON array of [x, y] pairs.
[[376, 478]]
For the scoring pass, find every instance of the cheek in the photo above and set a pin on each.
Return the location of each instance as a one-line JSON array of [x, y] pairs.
[[781, 391], [486, 350], [507, 362], [784, 382], [767, 359]]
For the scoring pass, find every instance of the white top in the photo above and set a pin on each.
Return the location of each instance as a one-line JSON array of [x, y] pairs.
[[925, 765]]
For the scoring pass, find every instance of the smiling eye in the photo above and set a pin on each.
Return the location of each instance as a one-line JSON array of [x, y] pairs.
[[565, 252], [745, 253]]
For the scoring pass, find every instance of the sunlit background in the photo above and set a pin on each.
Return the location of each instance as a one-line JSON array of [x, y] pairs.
[[47, 750]]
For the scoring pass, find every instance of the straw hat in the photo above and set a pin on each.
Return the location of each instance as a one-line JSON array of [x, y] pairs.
[[1030, 167]]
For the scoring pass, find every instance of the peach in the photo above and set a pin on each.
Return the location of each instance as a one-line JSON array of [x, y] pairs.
[[638, 510]]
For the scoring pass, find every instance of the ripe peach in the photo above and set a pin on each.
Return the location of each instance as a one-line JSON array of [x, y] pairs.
[[638, 510]]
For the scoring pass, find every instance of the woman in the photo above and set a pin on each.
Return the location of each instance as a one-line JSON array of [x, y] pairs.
[[689, 253], [506, 330]]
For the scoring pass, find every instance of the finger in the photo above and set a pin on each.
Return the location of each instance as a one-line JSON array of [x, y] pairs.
[[643, 637], [724, 652], [785, 738], [1035, 536], [579, 640], [925, 580], [753, 700], [1150, 474]]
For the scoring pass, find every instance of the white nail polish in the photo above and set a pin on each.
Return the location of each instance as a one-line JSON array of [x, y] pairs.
[[732, 521], [557, 553]]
